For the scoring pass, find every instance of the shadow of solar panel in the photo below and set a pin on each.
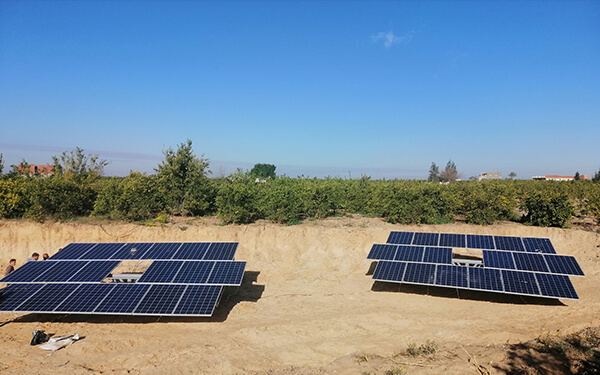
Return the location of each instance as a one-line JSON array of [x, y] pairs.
[[453, 240], [498, 259], [161, 271], [419, 273], [558, 286], [160, 300], [485, 279], [442, 255], [132, 251], [509, 243], [199, 300], [85, 299], [530, 262], [408, 253], [94, 271], [46, 299], [14, 295], [538, 245], [389, 271], [102, 251], [73, 251], [194, 273], [455, 276], [163, 250], [122, 299], [475, 241], [192, 251], [221, 251], [426, 239], [385, 252], [402, 238], [61, 272], [227, 273], [29, 272], [563, 264], [519, 282]]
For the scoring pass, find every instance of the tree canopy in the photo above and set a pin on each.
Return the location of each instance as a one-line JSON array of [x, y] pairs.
[[263, 171]]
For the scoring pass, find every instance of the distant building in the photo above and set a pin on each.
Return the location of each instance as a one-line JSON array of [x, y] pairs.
[[553, 177], [41, 169], [490, 176]]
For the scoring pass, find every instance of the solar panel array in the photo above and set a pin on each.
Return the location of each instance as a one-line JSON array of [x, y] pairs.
[[183, 279], [514, 265]]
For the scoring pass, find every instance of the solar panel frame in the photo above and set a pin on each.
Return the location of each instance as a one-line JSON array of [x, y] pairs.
[[485, 279], [498, 259], [440, 255], [192, 251], [453, 240], [122, 299], [15, 295], [73, 251], [162, 251], [221, 251], [228, 273], [102, 251], [401, 238], [198, 300], [60, 272], [161, 271], [478, 241], [519, 282], [194, 272], [509, 243], [389, 271], [419, 273], [426, 239], [161, 299], [558, 286], [563, 264], [382, 252], [132, 251], [93, 271], [452, 276], [47, 298], [85, 299], [530, 262], [538, 245], [407, 253], [28, 272]]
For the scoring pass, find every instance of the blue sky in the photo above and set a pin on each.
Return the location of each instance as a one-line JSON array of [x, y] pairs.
[[317, 88]]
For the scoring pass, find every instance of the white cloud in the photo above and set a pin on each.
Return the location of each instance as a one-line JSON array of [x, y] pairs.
[[389, 38]]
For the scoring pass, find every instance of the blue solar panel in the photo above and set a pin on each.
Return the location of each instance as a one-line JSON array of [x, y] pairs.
[[132, 251], [498, 259], [15, 294], [558, 286], [419, 273], [520, 282], [199, 300], [221, 251], [563, 264], [453, 240], [73, 251], [94, 271], [530, 262], [29, 272], [60, 272], [384, 252], [102, 251], [161, 271], [85, 298], [227, 273], [163, 250], [539, 245], [409, 253], [192, 251], [475, 241], [401, 238], [194, 273], [441, 255], [426, 239], [454, 276], [509, 243], [46, 299], [122, 299], [485, 279], [389, 271], [160, 299]]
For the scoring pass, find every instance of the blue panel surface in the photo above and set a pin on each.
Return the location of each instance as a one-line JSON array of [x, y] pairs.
[[509, 243], [194, 272], [46, 300], [61, 271], [409, 253], [389, 271], [426, 239], [475, 241], [485, 279], [558, 286], [73, 251], [538, 245], [132, 251], [221, 251], [192, 251], [453, 240], [29, 272], [86, 298], [419, 273], [383, 252], [498, 259], [530, 262], [94, 271], [401, 238], [161, 271], [227, 273], [102, 251], [160, 299], [520, 282], [15, 294], [563, 264], [122, 299], [441, 255], [455, 276], [199, 300], [162, 250]]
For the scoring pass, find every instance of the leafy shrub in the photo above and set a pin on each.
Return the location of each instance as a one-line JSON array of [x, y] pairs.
[[485, 202], [430, 347], [13, 200], [58, 198], [549, 209], [236, 199]]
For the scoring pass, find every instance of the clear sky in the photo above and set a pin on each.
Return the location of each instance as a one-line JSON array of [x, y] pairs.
[[317, 88]]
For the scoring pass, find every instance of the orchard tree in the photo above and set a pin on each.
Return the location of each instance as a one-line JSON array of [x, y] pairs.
[[577, 176], [77, 166], [596, 177], [450, 173], [512, 175], [434, 173], [263, 171]]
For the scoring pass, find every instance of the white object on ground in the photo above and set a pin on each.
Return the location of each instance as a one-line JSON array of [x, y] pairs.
[[56, 343]]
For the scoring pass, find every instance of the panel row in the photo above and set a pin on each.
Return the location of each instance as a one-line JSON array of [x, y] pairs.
[[473, 241], [148, 251], [131, 299], [475, 278], [409, 253]]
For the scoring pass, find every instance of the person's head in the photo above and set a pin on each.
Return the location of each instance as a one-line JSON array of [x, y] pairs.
[[35, 256], [13, 262], [45, 256]]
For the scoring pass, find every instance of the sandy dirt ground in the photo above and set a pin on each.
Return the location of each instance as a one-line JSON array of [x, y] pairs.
[[306, 306]]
